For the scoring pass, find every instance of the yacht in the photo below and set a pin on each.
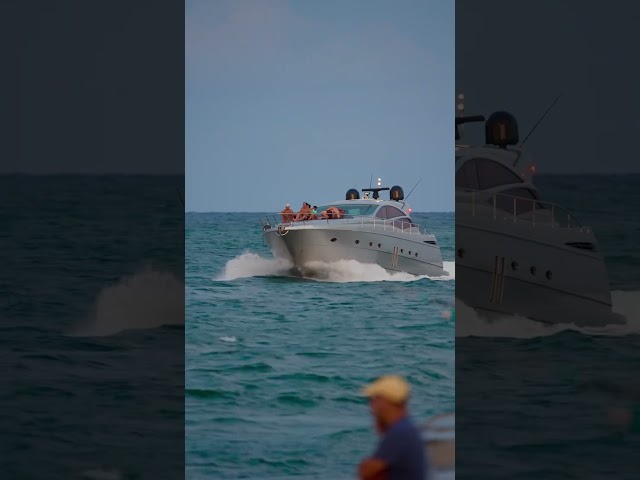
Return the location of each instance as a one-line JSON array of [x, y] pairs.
[[368, 230], [439, 436], [515, 253]]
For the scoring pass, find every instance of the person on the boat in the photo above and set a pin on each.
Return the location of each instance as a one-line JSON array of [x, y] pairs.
[[304, 213], [287, 214], [331, 212], [314, 213], [401, 452]]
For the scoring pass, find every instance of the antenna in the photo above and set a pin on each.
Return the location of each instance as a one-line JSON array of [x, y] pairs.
[[414, 187], [460, 113], [541, 118], [371, 180]]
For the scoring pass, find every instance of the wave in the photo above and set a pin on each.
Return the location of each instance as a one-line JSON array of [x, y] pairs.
[[250, 265], [343, 271], [470, 323], [148, 299]]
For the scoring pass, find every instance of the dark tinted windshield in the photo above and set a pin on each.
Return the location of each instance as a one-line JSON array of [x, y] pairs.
[[350, 209]]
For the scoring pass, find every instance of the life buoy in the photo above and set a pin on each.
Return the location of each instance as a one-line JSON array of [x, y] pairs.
[[282, 230]]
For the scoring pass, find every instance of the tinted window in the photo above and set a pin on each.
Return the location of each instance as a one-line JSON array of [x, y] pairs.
[[492, 174], [393, 212], [354, 210], [382, 213], [466, 176]]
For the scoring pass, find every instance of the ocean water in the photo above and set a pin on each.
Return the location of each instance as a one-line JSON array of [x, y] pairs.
[[91, 327], [558, 402], [275, 363]]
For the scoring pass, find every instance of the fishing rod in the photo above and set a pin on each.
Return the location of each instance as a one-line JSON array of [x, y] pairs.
[[414, 187]]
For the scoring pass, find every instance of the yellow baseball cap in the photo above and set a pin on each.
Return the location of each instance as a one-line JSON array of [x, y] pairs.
[[390, 387]]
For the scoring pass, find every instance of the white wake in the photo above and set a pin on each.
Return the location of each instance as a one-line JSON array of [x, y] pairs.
[[343, 271], [471, 323], [251, 265], [145, 300]]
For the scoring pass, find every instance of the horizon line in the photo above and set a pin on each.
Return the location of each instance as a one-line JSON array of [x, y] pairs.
[[276, 213]]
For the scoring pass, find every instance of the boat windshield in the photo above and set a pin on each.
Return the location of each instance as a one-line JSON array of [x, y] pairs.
[[352, 210]]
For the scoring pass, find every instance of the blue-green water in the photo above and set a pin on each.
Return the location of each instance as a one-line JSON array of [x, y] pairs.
[[91, 332], [275, 363], [558, 402]]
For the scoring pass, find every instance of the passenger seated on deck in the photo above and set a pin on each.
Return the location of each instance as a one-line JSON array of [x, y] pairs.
[[304, 213], [331, 212], [314, 213], [287, 214]]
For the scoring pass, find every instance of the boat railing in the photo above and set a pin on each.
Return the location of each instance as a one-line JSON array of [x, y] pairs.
[[397, 225], [511, 208]]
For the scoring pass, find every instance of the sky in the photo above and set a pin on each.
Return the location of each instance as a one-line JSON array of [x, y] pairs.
[[520, 59], [92, 87], [299, 101]]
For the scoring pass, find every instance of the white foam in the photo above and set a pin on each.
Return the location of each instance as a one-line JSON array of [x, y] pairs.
[[471, 323], [251, 265], [148, 299], [343, 271], [228, 339], [449, 271]]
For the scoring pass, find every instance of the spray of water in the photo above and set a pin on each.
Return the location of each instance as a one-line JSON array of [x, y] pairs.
[[145, 300], [251, 265], [343, 271], [471, 323]]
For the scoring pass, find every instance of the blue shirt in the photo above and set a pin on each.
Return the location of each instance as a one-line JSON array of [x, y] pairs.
[[404, 451]]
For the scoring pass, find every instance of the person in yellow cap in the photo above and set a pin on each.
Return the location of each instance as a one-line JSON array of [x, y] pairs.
[[401, 452]]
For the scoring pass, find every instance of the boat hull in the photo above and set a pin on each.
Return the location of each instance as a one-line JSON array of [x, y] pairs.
[[394, 252], [517, 271]]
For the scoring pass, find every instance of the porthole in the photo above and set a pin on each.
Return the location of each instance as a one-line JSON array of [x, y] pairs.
[[371, 244], [514, 266], [357, 242], [379, 245], [533, 270], [461, 252], [416, 254], [402, 250], [549, 275], [409, 252], [334, 239]]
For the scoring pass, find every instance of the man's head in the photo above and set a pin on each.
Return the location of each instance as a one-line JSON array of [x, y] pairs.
[[388, 397], [287, 206]]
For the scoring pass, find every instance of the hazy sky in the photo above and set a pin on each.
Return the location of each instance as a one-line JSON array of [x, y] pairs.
[[292, 101], [520, 59], [88, 89]]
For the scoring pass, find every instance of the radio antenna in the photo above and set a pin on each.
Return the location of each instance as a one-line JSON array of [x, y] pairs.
[[541, 118], [414, 187]]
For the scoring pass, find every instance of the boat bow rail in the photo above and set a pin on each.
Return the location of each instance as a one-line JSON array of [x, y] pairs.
[[273, 221], [510, 208]]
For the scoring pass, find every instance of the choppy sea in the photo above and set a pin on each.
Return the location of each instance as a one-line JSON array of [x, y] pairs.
[[275, 363], [91, 327], [558, 402]]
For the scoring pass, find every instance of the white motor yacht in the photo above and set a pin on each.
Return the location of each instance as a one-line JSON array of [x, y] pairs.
[[515, 253], [368, 230]]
